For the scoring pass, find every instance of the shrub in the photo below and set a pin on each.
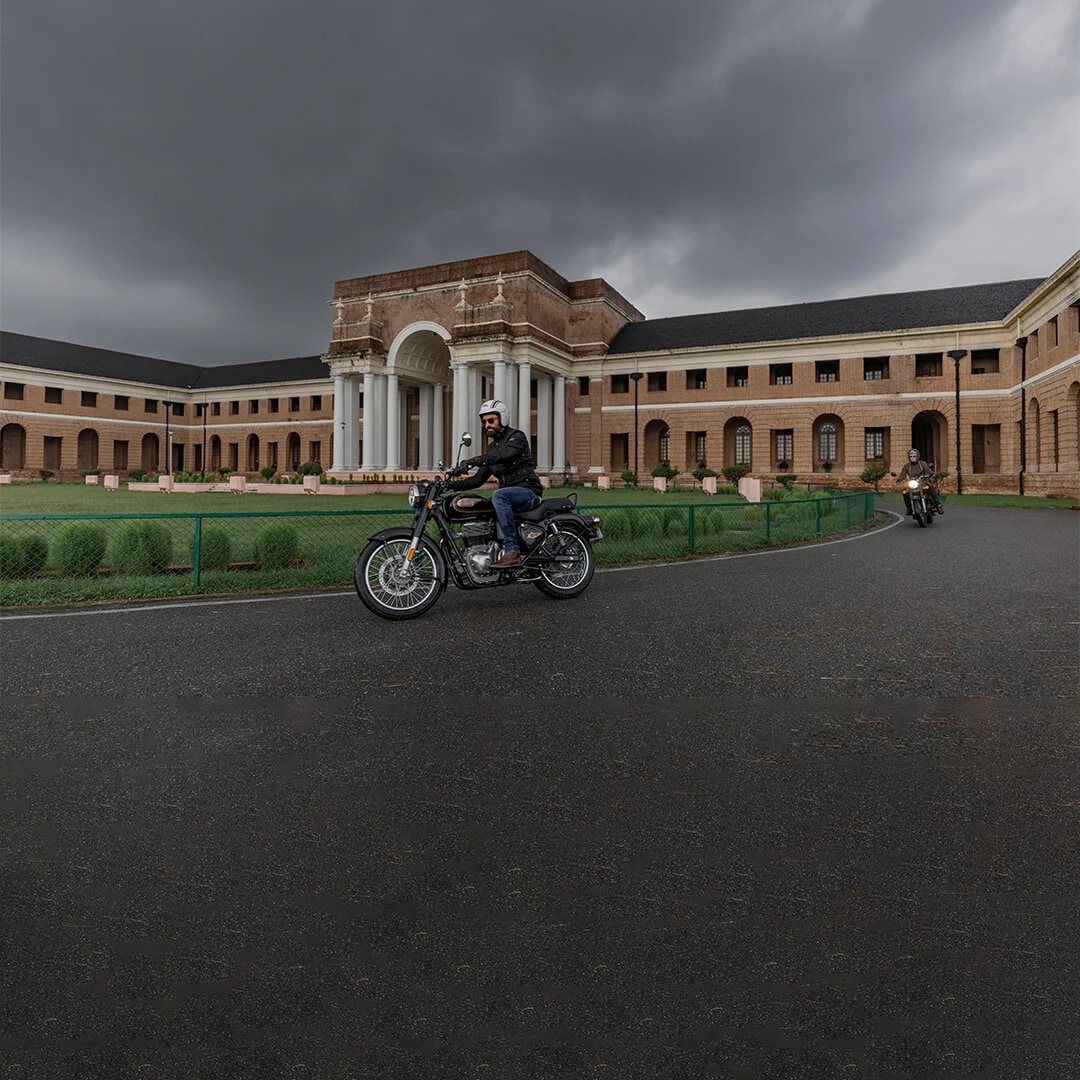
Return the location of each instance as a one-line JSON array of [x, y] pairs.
[[35, 551], [79, 549], [873, 473], [666, 471], [709, 521], [629, 477], [267, 471], [615, 525], [215, 548], [786, 479], [702, 471], [46, 474], [750, 513], [89, 472], [143, 547], [648, 523], [11, 557], [674, 521], [138, 475], [310, 468], [734, 473], [276, 546]]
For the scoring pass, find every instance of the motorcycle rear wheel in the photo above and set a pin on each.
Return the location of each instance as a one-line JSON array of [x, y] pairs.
[[570, 577], [391, 586]]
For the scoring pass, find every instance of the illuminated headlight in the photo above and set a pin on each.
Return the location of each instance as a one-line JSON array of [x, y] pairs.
[[913, 484], [416, 496]]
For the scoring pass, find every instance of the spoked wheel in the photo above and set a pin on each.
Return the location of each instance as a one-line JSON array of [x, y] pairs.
[[572, 567], [920, 519], [393, 586]]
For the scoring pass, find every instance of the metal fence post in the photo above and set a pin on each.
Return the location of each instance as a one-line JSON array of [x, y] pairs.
[[817, 515], [690, 528], [768, 521], [197, 557]]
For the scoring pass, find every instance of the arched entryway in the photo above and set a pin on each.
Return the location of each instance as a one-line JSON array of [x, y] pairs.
[[215, 453], [292, 451], [657, 445], [150, 456], [930, 436], [87, 449], [828, 439], [738, 442], [253, 453], [12, 447]]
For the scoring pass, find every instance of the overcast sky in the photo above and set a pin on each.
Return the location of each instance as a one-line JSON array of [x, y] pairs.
[[189, 180]]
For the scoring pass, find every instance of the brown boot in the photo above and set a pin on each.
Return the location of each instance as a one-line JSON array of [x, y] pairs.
[[507, 560]]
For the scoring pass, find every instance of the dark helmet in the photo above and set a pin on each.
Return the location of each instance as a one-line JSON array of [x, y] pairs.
[[913, 454]]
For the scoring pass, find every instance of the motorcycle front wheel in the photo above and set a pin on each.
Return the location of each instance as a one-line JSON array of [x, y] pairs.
[[571, 573], [394, 587]]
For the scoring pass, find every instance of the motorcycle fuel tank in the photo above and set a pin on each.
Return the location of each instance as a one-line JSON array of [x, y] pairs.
[[466, 505]]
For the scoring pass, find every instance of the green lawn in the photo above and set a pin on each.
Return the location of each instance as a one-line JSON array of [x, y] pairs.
[[1024, 502]]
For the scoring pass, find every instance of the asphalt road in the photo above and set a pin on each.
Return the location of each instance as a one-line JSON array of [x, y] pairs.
[[812, 813]]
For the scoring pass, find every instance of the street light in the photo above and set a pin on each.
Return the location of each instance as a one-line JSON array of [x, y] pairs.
[[956, 355], [168, 436], [637, 376]]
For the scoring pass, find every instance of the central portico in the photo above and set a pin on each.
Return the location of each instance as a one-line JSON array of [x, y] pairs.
[[413, 354]]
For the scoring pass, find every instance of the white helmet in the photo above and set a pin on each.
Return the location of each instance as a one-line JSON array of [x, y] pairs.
[[494, 405]]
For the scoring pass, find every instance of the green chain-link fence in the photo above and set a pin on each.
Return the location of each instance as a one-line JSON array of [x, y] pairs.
[[67, 558]]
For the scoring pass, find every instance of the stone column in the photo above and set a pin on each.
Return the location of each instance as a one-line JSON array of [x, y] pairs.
[[501, 381], [559, 421], [597, 450], [338, 464], [524, 402], [438, 428], [393, 423], [368, 462], [543, 422], [378, 427], [427, 458]]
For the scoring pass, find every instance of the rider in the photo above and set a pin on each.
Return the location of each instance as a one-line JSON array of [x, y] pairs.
[[912, 471], [509, 460]]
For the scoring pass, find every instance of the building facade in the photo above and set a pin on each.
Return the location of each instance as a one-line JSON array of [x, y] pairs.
[[984, 380]]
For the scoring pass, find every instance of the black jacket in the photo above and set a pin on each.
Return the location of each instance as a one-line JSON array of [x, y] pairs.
[[915, 469], [507, 458]]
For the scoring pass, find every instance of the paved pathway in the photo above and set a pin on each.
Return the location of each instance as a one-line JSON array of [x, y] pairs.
[[806, 814]]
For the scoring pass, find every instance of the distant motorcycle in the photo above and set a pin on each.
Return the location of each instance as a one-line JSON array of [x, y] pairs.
[[401, 573], [923, 509]]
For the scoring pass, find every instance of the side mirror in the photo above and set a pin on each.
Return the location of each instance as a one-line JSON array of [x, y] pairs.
[[466, 439], [441, 465], [892, 474]]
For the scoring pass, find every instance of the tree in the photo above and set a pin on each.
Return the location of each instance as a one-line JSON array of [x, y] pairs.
[[873, 473]]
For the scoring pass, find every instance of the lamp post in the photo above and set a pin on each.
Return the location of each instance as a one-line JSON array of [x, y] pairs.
[[168, 436], [1021, 344], [637, 376], [956, 355]]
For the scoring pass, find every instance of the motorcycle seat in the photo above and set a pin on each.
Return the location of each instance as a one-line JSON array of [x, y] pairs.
[[546, 508]]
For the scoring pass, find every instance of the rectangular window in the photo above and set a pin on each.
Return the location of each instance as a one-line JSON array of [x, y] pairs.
[[985, 361], [658, 380], [738, 376], [532, 389], [178, 408], [13, 391], [294, 404], [826, 371], [52, 451], [875, 444], [1054, 440], [1052, 333], [927, 365], [120, 455], [697, 379], [620, 452], [120, 403], [316, 451], [316, 405], [271, 454], [785, 446], [88, 399], [700, 447], [234, 408], [1033, 344], [215, 409], [583, 386], [253, 406], [274, 402], [779, 374], [150, 405], [1074, 317], [200, 409], [620, 384], [54, 395], [875, 368], [234, 457]]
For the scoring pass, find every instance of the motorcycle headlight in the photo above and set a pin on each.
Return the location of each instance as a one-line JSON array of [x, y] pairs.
[[913, 484], [416, 495]]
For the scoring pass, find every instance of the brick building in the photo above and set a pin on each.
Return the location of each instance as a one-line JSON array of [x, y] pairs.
[[816, 388]]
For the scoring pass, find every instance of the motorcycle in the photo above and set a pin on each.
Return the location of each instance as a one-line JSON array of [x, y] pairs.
[[401, 573], [923, 509]]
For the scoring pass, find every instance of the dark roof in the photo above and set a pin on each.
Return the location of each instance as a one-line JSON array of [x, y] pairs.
[[827, 318], [105, 363]]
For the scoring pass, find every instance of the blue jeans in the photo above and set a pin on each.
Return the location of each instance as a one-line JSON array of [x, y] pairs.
[[506, 501]]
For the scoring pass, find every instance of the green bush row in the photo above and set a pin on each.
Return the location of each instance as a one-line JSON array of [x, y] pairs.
[[141, 547]]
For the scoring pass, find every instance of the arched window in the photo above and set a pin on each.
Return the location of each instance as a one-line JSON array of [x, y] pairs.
[[827, 442], [742, 445]]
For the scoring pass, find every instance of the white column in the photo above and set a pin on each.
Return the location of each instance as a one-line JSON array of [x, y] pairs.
[[472, 423], [543, 422], [427, 457], [368, 463], [438, 433], [378, 434], [392, 459], [524, 421], [501, 381], [350, 449], [339, 425], [461, 394], [559, 418]]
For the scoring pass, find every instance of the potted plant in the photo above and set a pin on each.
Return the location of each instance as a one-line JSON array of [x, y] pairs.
[[666, 471], [827, 466], [629, 478], [782, 467]]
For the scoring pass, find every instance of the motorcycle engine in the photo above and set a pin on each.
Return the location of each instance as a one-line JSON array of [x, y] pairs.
[[480, 550]]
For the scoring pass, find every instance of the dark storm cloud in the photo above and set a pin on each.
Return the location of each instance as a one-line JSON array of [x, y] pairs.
[[190, 180]]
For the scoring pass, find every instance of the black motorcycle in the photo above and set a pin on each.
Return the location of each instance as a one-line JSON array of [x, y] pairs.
[[923, 506], [403, 572]]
